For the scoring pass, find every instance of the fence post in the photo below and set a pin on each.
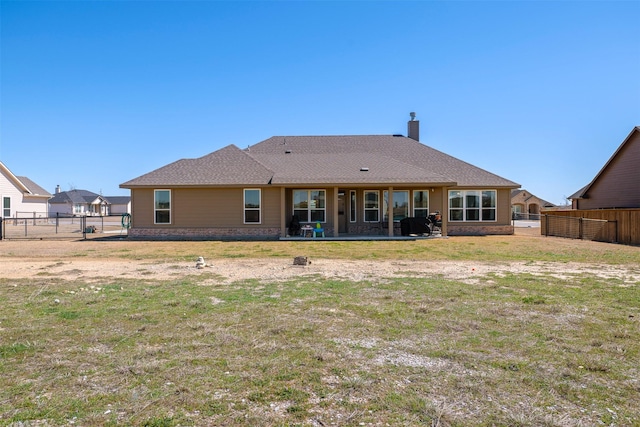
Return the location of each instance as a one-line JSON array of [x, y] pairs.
[[1, 229], [83, 224], [580, 228], [57, 221]]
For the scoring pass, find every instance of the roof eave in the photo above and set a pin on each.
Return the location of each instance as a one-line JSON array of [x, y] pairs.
[[15, 179], [582, 193]]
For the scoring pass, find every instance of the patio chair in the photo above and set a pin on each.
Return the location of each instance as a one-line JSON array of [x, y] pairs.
[[318, 230], [294, 226]]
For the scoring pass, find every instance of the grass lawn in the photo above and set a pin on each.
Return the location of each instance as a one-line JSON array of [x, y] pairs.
[[515, 349]]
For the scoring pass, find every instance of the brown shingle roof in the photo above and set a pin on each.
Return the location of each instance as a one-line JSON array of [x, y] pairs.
[[344, 168], [227, 166], [408, 159], [323, 160]]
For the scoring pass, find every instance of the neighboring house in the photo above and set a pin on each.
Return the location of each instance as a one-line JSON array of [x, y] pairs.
[[120, 204], [525, 205], [351, 185], [78, 203], [21, 197], [617, 185]]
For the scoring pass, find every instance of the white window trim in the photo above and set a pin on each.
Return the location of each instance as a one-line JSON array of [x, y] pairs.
[[308, 219], [245, 209], [464, 206], [353, 206], [364, 205], [5, 209], [413, 201], [170, 206]]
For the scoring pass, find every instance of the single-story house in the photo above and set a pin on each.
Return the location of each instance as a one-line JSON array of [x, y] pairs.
[[350, 185], [617, 185], [525, 205], [21, 197], [119, 204], [78, 203]]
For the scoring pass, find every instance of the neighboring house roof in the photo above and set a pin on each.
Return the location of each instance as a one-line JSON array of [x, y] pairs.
[[530, 196], [368, 159], [584, 190], [119, 200], [24, 184], [578, 194], [76, 197]]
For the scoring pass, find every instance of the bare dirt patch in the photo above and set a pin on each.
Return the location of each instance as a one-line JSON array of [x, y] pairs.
[[279, 269], [92, 259]]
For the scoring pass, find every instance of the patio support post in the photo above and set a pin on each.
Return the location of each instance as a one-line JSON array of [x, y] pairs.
[[336, 214], [445, 210], [390, 212], [283, 214]]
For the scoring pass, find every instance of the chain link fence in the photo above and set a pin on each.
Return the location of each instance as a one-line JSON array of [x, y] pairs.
[[25, 226]]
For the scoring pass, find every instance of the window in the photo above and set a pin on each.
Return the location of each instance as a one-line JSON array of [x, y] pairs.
[[400, 205], [472, 205], [352, 206], [6, 207], [309, 205], [252, 206], [162, 206], [489, 205], [371, 206], [421, 203], [516, 212]]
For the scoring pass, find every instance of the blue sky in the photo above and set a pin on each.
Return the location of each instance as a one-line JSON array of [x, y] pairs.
[[96, 93]]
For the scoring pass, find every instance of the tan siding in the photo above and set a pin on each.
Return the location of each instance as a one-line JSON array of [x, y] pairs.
[[142, 207], [271, 207], [222, 207], [202, 207], [504, 207], [206, 207]]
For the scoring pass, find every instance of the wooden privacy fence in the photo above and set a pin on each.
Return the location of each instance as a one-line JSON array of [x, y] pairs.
[[602, 225]]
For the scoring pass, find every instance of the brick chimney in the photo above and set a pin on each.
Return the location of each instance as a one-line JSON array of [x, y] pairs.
[[413, 127]]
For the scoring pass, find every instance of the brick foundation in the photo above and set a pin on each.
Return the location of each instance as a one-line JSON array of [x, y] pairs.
[[273, 233], [479, 230], [204, 233]]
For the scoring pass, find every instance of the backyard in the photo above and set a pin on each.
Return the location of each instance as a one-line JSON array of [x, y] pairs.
[[516, 330]]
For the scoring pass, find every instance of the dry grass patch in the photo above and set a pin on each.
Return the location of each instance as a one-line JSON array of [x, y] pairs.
[[415, 350]]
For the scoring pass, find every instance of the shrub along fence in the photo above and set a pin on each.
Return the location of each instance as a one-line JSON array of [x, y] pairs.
[[602, 225]]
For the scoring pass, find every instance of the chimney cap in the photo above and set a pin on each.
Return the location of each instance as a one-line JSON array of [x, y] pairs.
[[412, 115]]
